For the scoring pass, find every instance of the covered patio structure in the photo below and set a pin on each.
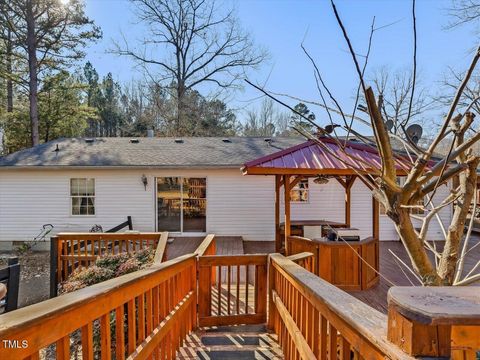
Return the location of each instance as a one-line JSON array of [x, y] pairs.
[[322, 159]]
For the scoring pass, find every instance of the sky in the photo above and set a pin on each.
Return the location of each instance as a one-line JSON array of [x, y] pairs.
[[280, 26]]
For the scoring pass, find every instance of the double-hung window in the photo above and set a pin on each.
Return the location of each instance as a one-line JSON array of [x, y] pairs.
[[82, 195]]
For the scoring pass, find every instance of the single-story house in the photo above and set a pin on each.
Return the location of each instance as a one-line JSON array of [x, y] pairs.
[[188, 186]]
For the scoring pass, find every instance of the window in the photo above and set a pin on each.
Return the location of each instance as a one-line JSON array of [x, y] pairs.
[[82, 194], [299, 193]]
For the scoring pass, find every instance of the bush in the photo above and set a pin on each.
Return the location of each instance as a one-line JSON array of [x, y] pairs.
[[112, 262], [106, 268]]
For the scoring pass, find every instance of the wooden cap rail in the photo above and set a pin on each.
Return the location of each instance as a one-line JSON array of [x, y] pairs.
[[435, 321], [341, 318], [161, 250], [207, 246]]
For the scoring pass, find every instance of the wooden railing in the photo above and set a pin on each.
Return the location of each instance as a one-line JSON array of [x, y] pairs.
[[315, 320], [349, 266], [305, 260], [148, 312], [72, 250], [232, 289], [207, 246]]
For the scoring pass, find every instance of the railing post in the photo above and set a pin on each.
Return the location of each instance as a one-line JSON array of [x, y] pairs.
[[435, 321], [13, 284], [271, 283], [53, 266]]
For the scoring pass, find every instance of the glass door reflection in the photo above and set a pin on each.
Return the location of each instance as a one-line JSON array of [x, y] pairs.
[[169, 197]]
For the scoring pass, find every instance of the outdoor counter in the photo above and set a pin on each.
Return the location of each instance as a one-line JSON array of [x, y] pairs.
[[340, 262]]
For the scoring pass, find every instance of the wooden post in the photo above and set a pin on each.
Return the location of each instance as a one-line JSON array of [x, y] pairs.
[[286, 186], [271, 287], [278, 240], [435, 321], [348, 199], [53, 266], [13, 284], [375, 219]]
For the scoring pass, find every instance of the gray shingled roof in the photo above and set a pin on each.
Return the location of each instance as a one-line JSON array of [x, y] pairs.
[[148, 152]]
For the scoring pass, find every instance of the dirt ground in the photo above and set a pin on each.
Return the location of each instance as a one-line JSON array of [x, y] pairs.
[[34, 275]]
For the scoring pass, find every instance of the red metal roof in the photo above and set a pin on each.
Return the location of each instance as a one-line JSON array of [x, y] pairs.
[[310, 158]]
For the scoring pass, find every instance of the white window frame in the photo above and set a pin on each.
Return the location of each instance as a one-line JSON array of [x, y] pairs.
[[83, 196]]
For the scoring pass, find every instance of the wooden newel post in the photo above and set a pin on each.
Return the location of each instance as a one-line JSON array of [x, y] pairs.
[[435, 321]]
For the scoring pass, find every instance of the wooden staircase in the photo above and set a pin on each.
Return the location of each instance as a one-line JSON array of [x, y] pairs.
[[243, 342]]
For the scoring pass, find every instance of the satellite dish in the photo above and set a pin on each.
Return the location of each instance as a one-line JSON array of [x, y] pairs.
[[414, 133], [389, 125]]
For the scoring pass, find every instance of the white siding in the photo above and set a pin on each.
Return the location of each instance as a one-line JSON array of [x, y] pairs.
[[388, 232], [236, 204]]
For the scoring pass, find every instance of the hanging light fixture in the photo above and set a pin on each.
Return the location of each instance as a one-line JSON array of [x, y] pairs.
[[321, 180]]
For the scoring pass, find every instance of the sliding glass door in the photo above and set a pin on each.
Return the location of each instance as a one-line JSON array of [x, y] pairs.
[[182, 204]]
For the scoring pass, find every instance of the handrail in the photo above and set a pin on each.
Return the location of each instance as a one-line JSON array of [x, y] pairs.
[[361, 328], [300, 256], [136, 295], [304, 259], [207, 246], [161, 250], [122, 225]]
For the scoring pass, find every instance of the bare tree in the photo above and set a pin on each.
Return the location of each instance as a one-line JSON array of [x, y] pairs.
[[464, 12], [424, 175], [395, 88], [204, 46], [50, 34]]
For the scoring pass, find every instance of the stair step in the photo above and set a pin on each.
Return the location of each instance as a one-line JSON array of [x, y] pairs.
[[247, 353], [233, 339], [238, 328]]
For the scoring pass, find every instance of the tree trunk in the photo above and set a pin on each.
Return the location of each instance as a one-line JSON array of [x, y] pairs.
[[9, 73], [449, 259], [33, 73], [180, 107], [418, 256]]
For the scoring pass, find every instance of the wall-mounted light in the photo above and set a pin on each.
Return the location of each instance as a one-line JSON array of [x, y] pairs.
[[144, 181]]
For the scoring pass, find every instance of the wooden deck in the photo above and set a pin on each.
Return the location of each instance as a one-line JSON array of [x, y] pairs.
[[392, 272]]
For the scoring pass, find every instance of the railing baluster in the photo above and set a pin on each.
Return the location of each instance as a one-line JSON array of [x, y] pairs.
[[105, 341], [238, 289], [120, 333], [246, 289], [219, 289], [332, 342], [228, 288], [63, 348], [132, 335], [141, 318]]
